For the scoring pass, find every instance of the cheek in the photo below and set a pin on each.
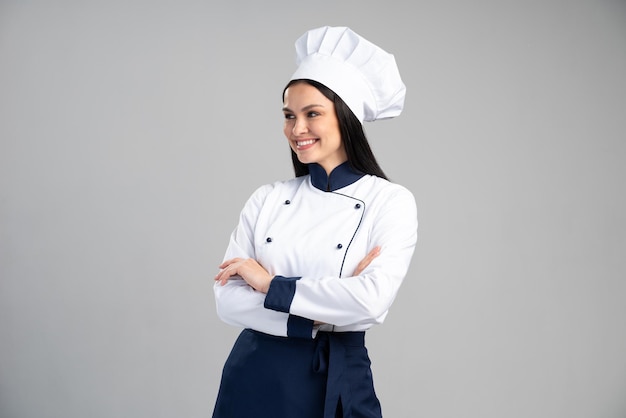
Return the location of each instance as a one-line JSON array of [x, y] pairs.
[[286, 132], [287, 128]]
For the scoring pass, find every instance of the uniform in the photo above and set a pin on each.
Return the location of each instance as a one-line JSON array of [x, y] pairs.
[[310, 233]]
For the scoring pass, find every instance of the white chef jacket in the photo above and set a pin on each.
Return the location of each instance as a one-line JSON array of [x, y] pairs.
[[310, 233]]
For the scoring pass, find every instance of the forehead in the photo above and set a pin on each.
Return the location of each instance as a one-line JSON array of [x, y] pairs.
[[302, 94]]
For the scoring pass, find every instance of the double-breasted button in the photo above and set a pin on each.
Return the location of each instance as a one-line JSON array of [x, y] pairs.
[[287, 202], [339, 246], [357, 206], [268, 239]]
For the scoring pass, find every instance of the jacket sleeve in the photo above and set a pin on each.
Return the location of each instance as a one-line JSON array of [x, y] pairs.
[[237, 303], [364, 299]]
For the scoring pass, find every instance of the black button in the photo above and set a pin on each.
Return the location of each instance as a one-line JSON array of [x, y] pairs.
[[287, 202], [339, 246], [268, 239], [357, 206]]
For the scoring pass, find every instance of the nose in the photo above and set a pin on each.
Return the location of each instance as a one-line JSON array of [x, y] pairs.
[[300, 126]]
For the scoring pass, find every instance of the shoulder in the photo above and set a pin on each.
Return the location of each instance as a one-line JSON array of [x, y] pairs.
[[380, 188], [261, 194], [387, 199], [392, 206]]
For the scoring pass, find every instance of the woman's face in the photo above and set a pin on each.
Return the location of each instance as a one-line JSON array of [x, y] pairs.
[[312, 128]]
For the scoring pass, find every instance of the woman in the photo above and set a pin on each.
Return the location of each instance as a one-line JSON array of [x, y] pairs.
[[318, 259]]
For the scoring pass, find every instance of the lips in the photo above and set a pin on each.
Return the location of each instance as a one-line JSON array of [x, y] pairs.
[[305, 143]]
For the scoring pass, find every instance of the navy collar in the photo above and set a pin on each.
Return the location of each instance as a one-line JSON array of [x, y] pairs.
[[341, 176]]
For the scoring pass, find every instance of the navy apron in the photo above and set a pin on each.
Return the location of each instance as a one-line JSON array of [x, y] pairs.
[[284, 377]]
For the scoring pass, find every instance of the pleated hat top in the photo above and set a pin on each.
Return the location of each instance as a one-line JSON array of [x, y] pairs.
[[364, 75]]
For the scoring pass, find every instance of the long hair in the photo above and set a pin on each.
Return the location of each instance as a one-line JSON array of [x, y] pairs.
[[360, 155]]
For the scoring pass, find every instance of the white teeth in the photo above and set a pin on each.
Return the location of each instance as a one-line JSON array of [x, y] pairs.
[[304, 143]]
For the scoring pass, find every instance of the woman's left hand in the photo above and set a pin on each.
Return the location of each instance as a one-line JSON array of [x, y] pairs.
[[249, 269]]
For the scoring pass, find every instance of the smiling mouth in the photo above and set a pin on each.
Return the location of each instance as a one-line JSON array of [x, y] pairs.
[[305, 143]]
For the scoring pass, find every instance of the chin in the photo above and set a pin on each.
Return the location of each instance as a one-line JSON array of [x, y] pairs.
[[304, 160]]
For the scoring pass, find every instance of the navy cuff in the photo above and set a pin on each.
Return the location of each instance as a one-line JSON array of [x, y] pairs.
[[299, 327], [281, 293]]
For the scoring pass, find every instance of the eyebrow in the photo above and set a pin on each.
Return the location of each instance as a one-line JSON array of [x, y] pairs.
[[305, 108]]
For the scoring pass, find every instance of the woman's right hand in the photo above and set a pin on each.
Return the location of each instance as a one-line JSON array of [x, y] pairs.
[[249, 269]]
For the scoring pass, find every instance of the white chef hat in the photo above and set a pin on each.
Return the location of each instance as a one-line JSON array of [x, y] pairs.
[[361, 73]]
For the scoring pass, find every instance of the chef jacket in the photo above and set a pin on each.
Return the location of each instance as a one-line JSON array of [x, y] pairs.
[[310, 233]]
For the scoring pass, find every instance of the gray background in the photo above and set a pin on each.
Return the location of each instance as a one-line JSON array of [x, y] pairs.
[[133, 131]]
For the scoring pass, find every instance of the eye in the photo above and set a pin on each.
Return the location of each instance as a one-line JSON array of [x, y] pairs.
[[312, 114], [289, 116]]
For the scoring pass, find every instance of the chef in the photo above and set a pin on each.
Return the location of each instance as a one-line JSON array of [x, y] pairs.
[[317, 260]]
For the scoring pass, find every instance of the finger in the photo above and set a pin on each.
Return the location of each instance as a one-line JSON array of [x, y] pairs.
[[372, 255], [227, 270], [359, 268], [225, 274], [227, 263], [218, 276], [375, 252], [223, 277]]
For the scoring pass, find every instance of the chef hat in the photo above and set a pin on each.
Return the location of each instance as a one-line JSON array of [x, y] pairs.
[[362, 74]]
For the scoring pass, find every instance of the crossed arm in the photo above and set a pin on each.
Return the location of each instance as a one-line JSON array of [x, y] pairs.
[[259, 279]]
